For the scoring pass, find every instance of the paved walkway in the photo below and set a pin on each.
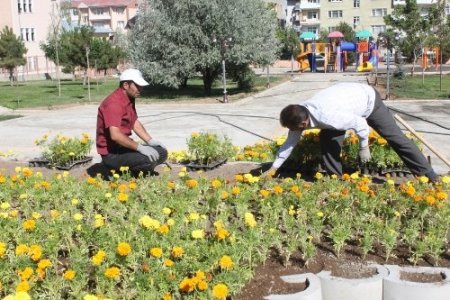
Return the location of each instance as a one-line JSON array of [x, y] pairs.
[[245, 122]]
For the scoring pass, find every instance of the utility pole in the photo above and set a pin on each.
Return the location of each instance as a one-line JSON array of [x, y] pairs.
[[87, 74]]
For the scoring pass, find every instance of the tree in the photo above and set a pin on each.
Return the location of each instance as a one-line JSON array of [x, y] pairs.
[[289, 40], [410, 30], [103, 55], [173, 40], [12, 51]]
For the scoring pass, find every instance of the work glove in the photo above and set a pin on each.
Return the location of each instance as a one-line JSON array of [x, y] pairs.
[[364, 154], [152, 154], [155, 143]]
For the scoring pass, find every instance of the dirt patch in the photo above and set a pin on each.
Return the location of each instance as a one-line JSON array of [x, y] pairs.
[[266, 280], [422, 277]]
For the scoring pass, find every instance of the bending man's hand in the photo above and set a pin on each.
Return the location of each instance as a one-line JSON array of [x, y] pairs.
[[364, 154], [155, 143], [148, 151]]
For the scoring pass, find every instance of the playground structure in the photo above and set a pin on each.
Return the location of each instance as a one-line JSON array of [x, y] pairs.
[[430, 55], [335, 54]]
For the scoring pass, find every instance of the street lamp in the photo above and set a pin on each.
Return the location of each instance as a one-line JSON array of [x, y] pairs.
[[224, 43]]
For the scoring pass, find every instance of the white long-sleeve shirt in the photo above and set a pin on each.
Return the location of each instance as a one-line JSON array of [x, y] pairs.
[[343, 106]]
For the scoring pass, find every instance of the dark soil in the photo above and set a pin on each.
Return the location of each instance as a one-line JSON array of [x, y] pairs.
[[266, 280]]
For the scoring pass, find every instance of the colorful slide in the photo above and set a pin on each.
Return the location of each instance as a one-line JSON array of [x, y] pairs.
[[303, 62]]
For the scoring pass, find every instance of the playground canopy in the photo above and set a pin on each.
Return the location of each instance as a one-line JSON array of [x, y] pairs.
[[363, 34], [335, 34], [308, 36]]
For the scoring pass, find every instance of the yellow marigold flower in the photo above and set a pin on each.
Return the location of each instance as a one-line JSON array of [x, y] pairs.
[[167, 296], [381, 141], [166, 211], [222, 234], [195, 135], [29, 225], [171, 184], [14, 213], [445, 179], [116, 176], [18, 296], [177, 252], [35, 252], [164, 229], [220, 291], [5, 205], [187, 285], [423, 179], [149, 223], [216, 183], [318, 176], [122, 197], [235, 190], [75, 201], [168, 262], [198, 234], [2, 250], [250, 220], [23, 286], [27, 172], [354, 175], [191, 183], [132, 185], [36, 215], [98, 258], [108, 195], [226, 262], [78, 217], [319, 214], [90, 297], [123, 249], [69, 274], [224, 195], [21, 249], [202, 285], [295, 189], [26, 273], [99, 221], [156, 252], [239, 178], [112, 272], [391, 182], [170, 222], [44, 264], [194, 216]]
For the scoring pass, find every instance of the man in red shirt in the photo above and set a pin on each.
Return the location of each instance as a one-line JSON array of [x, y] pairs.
[[117, 119]]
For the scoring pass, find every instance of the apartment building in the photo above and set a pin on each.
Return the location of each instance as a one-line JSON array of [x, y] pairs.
[[31, 21], [105, 16]]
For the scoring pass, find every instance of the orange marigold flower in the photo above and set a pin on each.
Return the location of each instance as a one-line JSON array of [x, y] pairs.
[[191, 183], [236, 190], [171, 185], [168, 262], [156, 252], [163, 229], [224, 195], [216, 183], [29, 225], [122, 197], [202, 285], [112, 272], [187, 285], [222, 233], [23, 286], [26, 273], [123, 249], [430, 200], [441, 195], [167, 296]]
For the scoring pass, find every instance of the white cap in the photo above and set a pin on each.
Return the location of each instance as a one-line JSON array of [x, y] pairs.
[[133, 75]]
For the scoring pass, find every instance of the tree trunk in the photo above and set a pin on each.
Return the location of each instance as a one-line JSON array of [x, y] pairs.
[[184, 82], [208, 79], [11, 77]]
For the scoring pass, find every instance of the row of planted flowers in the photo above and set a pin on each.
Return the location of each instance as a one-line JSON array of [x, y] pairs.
[[196, 238]]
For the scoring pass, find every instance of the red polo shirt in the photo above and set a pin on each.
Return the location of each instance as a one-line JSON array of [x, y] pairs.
[[116, 110]]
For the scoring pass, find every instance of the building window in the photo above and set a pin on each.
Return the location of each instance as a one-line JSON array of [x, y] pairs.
[[24, 5], [32, 34], [356, 3], [332, 28], [75, 12], [27, 34], [334, 0], [377, 29], [30, 5], [334, 14], [97, 11], [121, 24], [313, 1], [312, 14], [22, 34], [19, 6], [119, 10], [379, 12], [356, 21]]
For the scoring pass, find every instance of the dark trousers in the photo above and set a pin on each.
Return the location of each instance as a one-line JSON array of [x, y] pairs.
[[136, 161], [382, 121]]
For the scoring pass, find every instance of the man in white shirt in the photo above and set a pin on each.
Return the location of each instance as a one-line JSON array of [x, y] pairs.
[[342, 107]]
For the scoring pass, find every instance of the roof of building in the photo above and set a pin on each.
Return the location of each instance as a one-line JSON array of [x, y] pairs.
[[101, 3]]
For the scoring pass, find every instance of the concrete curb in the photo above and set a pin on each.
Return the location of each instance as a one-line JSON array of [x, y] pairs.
[[312, 292]]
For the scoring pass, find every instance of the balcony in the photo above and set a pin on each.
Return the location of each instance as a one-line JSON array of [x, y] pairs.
[[311, 21], [101, 17]]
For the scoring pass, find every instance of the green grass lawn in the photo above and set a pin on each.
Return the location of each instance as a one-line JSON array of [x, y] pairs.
[[33, 94], [413, 88]]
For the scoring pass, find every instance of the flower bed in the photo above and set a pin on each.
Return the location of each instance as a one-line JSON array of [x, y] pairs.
[[200, 238]]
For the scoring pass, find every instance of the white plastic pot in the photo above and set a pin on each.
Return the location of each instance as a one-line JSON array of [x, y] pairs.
[[312, 292], [338, 288], [396, 288]]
